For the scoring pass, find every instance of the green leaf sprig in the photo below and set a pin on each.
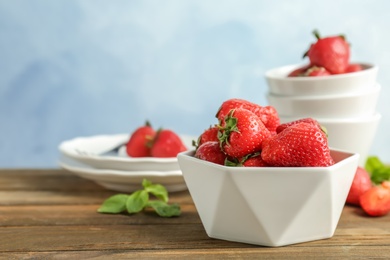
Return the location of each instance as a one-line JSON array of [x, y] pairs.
[[379, 172], [140, 199]]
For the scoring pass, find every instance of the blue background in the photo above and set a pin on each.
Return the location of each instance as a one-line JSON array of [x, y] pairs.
[[81, 68]]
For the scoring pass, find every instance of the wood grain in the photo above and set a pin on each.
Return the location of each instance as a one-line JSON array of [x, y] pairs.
[[51, 214]]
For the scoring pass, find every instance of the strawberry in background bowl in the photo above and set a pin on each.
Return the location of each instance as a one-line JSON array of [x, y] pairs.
[[329, 71]]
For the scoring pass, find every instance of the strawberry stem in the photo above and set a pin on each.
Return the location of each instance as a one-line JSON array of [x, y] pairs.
[[230, 126], [316, 34]]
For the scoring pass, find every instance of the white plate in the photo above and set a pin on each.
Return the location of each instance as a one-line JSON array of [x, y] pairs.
[[124, 181], [92, 151]]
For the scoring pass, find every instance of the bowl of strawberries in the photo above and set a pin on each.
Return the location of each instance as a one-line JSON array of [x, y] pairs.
[[328, 72], [254, 180], [331, 89]]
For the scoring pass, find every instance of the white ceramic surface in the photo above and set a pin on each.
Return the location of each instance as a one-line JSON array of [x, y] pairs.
[[269, 206], [124, 181], [354, 135], [329, 106], [280, 84], [88, 150]]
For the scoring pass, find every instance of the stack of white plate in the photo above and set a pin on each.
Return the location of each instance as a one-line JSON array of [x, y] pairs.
[[103, 159]]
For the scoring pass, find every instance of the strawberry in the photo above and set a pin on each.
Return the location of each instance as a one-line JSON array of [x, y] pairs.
[[309, 120], [234, 103], [299, 72], [376, 201], [250, 160], [210, 134], [211, 151], [242, 133], [332, 53], [254, 161], [267, 114], [361, 183], [270, 118], [166, 143], [300, 145], [353, 68], [317, 71], [140, 141]]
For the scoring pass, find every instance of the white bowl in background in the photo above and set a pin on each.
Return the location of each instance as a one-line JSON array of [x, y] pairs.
[[330, 106], [269, 206], [280, 84], [350, 134]]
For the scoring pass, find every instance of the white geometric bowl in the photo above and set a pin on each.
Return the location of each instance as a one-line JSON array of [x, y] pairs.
[[357, 104], [280, 84], [269, 206]]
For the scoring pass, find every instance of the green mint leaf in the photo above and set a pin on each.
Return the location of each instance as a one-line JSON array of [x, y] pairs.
[[380, 175], [372, 163], [146, 183], [159, 191], [379, 172], [165, 210], [137, 201], [114, 204]]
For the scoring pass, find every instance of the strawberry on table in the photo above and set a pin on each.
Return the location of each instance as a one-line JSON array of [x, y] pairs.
[[300, 145], [360, 184], [140, 141], [376, 201], [166, 143], [242, 133], [332, 53], [211, 151]]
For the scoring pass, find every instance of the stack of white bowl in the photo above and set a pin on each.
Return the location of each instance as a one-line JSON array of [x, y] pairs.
[[344, 104]]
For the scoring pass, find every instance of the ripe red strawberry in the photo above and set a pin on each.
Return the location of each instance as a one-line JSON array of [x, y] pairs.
[[234, 103], [242, 133], [250, 160], [166, 143], [309, 120], [267, 114], [376, 201], [317, 71], [254, 161], [211, 151], [361, 183], [299, 72], [270, 118], [300, 145], [332, 53], [353, 68], [140, 141], [210, 134]]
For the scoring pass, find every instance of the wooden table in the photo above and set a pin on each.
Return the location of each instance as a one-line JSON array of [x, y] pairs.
[[52, 214]]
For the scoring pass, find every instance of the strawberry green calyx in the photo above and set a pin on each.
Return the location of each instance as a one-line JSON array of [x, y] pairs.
[[147, 123], [230, 126], [316, 34]]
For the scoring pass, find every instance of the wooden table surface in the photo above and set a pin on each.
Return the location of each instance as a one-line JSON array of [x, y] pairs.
[[52, 214]]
